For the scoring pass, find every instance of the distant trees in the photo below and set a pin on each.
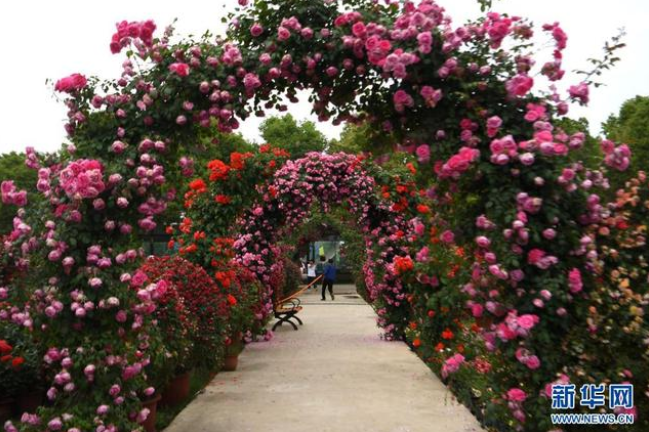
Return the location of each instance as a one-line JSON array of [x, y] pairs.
[[297, 138]]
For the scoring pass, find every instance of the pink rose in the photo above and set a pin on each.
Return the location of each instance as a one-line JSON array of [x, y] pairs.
[[283, 34], [516, 395], [519, 85], [447, 236], [580, 93], [256, 30], [527, 321], [358, 29], [180, 69], [71, 84]]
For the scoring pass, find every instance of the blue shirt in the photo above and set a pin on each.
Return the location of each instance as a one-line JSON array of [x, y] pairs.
[[330, 272]]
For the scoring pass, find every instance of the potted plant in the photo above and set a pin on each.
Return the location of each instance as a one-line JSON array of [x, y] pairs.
[[178, 329], [241, 300], [20, 376], [191, 318]]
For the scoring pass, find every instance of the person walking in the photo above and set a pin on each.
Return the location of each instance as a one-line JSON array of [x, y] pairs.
[[329, 279], [319, 267]]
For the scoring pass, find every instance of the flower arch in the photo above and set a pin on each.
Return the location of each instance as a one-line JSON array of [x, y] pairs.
[[328, 180], [507, 265]]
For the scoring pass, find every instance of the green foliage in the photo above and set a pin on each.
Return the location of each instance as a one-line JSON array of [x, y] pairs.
[[296, 138], [361, 138]]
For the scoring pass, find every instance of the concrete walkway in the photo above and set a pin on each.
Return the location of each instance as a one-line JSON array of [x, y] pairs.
[[333, 375]]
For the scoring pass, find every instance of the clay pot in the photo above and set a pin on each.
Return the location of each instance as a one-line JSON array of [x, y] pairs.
[[152, 405], [177, 391], [231, 362], [29, 402]]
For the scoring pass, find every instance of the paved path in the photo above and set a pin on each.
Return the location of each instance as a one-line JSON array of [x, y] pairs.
[[333, 375]]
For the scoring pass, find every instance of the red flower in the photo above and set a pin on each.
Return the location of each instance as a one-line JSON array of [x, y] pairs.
[[403, 264], [237, 160], [447, 334], [222, 199], [232, 301], [219, 170], [5, 347], [17, 362], [416, 343], [423, 208], [198, 185], [6, 358]]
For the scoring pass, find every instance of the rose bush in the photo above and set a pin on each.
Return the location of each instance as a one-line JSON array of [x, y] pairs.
[[204, 301]]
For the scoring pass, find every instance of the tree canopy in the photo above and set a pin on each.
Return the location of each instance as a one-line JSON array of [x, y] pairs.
[[298, 138]]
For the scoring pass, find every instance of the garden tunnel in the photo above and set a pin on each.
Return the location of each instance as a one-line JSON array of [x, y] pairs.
[[497, 262]]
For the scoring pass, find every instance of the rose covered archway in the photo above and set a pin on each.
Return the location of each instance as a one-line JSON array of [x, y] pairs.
[[508, 272], [319, 182]]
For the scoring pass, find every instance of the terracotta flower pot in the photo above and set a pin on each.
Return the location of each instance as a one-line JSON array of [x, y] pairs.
[[29, 402], [231, 363], [176, 391], [152, 405]]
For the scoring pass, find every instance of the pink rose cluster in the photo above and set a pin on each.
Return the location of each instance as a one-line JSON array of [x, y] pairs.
[[503, 150], [519, 85], [579, 93], [130, 31], [516, 326], [458, 163], [82, 179], [180, 69], [11, 196], [431, 96], [452, 365], [528, 359], [619, 157], [402, 100], [497, 27], [515, 398], [71, 84]]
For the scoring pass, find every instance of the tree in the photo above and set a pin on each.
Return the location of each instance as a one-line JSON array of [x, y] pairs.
[[12, 167], [297, 138], [353, 139], [631, 126]]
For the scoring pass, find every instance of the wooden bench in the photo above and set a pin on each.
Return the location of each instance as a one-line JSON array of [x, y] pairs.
[[288, 307]]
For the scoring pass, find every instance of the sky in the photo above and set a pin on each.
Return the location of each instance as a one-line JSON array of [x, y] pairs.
[[42, 40]]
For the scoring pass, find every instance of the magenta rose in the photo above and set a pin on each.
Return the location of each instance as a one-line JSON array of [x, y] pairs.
[[71, 84]]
